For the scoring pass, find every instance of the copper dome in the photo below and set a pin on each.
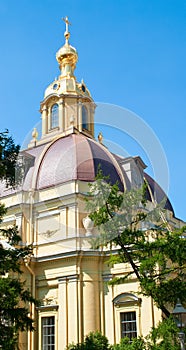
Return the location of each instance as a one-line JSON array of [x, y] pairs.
[[74, 157], [77, 157]]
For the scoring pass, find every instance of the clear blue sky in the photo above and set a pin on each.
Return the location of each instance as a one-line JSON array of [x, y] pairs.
[[132, 53]]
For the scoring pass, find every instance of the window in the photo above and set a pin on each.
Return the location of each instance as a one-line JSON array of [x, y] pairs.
[[127, 315], [48, 333], [84, 118], [54, 116], [128, 324]]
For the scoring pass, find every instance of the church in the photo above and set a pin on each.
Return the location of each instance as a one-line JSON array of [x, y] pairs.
[[65, 273]]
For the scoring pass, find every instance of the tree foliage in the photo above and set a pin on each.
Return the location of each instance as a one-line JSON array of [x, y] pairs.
[[141, 237], [14, 296], [163, 337], [8, 157], [93, 341], [126, 344]]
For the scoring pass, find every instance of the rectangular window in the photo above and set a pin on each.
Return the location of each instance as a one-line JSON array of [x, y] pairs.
[[128, 324], [48, 333]]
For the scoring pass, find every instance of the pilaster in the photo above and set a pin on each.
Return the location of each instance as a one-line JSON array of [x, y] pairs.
[[68, 325]]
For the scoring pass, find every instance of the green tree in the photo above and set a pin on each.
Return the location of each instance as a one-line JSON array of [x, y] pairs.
[[93, 341], [164, 336], [156, 253], [96, 341], [126, 344], [8, 158], [14, 297]]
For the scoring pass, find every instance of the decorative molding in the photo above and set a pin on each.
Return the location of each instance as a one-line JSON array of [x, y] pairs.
[[47, 213], [47, 308], [49, 301], [126, 299], [9, 218], [86, 255], [48, 233], [68, 278]]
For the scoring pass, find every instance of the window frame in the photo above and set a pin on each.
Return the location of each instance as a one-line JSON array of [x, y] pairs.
[[48, 336], [85, 121], [129, 333], [43, 313], [126, 302], [54, 116]]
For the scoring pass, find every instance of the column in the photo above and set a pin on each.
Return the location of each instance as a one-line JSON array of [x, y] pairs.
[[63, 313], [19, 222], [64, 115], [91, 297], [109, 316], [92, 111], [61, 114], [68, 325], [73, 309], [44, 121], [79, 116]]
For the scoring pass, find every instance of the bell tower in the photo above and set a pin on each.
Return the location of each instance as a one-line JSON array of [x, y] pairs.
[[67, 105]]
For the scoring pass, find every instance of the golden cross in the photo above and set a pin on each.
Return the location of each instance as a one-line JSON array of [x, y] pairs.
[[65, 19]]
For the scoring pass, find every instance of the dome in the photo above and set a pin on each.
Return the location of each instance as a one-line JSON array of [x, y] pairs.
[[67, 54], [67, 57], [78, 157], [66, 50], [155, 193], [74, 157]]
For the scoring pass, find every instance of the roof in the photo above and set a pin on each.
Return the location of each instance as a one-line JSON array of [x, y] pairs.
[[74, 157], [77, 157]]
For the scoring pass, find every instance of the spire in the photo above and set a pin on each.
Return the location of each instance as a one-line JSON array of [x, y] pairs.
[[67, 55]]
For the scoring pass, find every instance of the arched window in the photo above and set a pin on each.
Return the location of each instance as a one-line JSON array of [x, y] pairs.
[[127, 306], [54, 116], [84, 118]]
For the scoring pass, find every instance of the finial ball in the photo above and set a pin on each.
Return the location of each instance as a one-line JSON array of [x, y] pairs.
[[100, 137]]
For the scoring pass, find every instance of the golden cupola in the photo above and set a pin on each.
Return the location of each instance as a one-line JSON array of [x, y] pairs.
[[67, 55], [67, 106], [66, 82]]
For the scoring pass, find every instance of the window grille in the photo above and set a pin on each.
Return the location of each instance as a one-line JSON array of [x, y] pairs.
[[48, 333], [128, 325]]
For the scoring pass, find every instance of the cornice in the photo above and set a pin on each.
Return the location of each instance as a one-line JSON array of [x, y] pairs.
[[67, 95], [70, 255]]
